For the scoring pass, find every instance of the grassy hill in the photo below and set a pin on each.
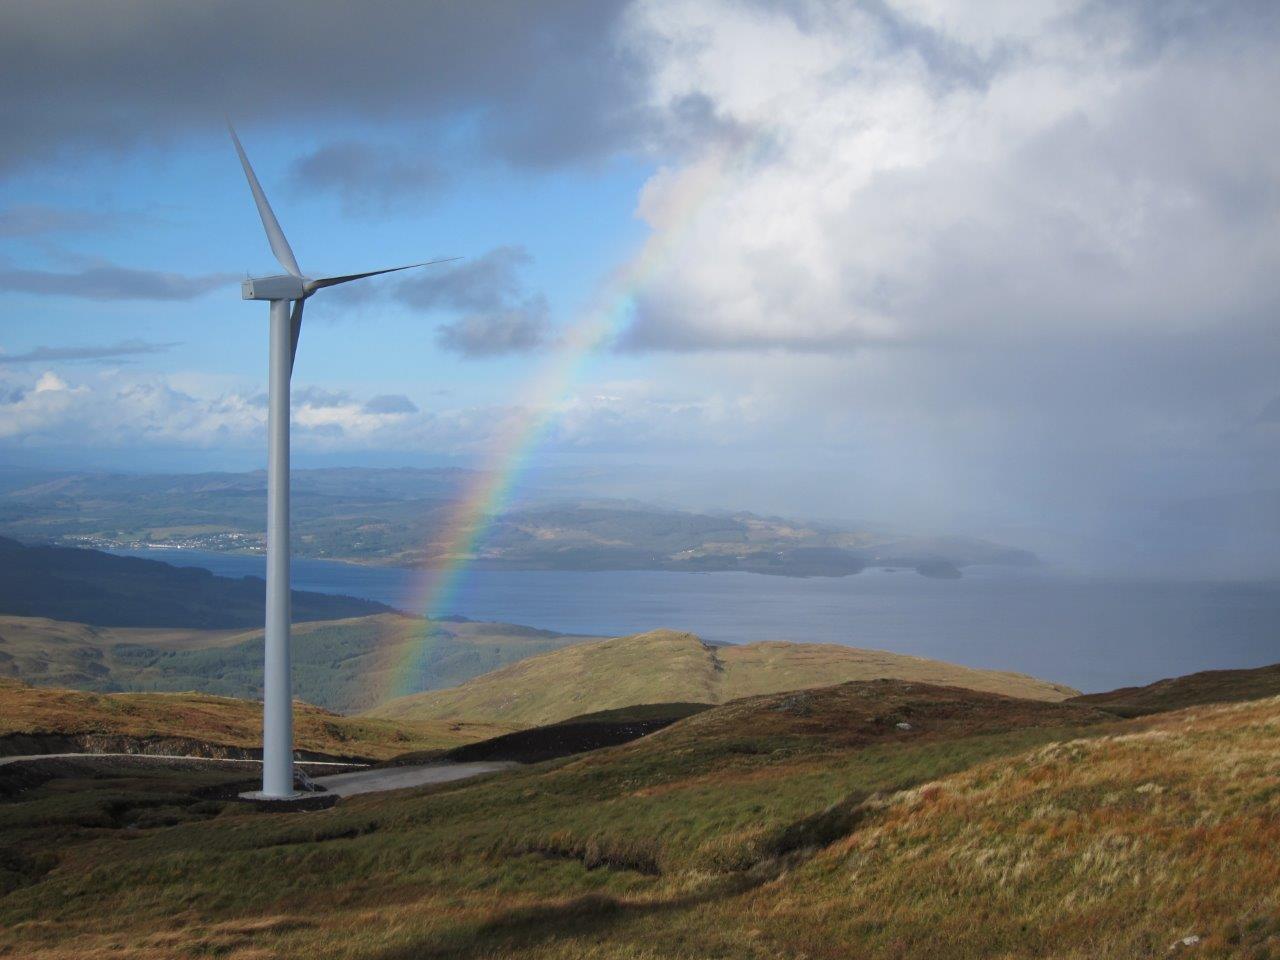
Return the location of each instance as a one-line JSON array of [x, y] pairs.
[[1210, 686], [667, 666], [88, 586], [806, 825], [343, 665], [37, 720]]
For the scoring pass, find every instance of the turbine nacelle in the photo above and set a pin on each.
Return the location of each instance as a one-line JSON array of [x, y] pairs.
[[282, 287]]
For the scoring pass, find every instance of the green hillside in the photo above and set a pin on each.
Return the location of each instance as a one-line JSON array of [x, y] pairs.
[[343, 665], [666, 667]]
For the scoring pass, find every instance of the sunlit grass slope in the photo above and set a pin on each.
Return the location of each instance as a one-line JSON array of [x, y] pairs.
[[667, 666], [32, 718]]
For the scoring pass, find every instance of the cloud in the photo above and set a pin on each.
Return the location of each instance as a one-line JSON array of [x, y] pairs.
[[115, 409], [1013, 264], [111, 283], [919, 175], [541, 83], [501, 316], [119, 409], [33, 220], [488, 282], [124, 348], [517, 330], [50, 382], [390, 403], [321, 399], [368, 178]]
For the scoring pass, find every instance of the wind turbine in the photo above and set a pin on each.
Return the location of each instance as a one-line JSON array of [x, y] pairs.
[[291, 288]]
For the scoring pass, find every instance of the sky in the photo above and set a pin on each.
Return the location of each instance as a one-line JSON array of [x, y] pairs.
[[1002, 268]]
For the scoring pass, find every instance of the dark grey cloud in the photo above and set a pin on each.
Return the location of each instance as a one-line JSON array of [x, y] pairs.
[[544, 83], [949, 62], [368, 177], [488, 282], [390, 403], [1153, 28], [111, 283], [125, 348], [517, 330], [501, 315], [34, 220]]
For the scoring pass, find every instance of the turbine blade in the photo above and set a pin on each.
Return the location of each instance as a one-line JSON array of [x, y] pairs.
[[295, 329], [334, 281], [275, 236]]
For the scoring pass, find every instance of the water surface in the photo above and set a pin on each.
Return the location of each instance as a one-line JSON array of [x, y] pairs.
[[1092, 634]]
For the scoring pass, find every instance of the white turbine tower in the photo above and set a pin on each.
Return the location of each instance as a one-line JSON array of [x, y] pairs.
[[286, 323]]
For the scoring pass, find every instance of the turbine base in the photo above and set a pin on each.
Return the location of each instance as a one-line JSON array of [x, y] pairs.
[[259, 795], [299, 801]]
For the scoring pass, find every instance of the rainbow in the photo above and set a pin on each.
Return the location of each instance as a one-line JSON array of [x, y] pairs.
[[512, 453]]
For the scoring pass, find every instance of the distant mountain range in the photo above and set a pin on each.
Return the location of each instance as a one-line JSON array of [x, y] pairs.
[[401, 516]]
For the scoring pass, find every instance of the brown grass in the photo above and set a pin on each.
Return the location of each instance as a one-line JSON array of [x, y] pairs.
[[219, 721], [1107, 847], [1174, 693]]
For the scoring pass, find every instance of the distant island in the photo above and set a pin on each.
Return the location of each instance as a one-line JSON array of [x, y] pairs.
[[397, 517]]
